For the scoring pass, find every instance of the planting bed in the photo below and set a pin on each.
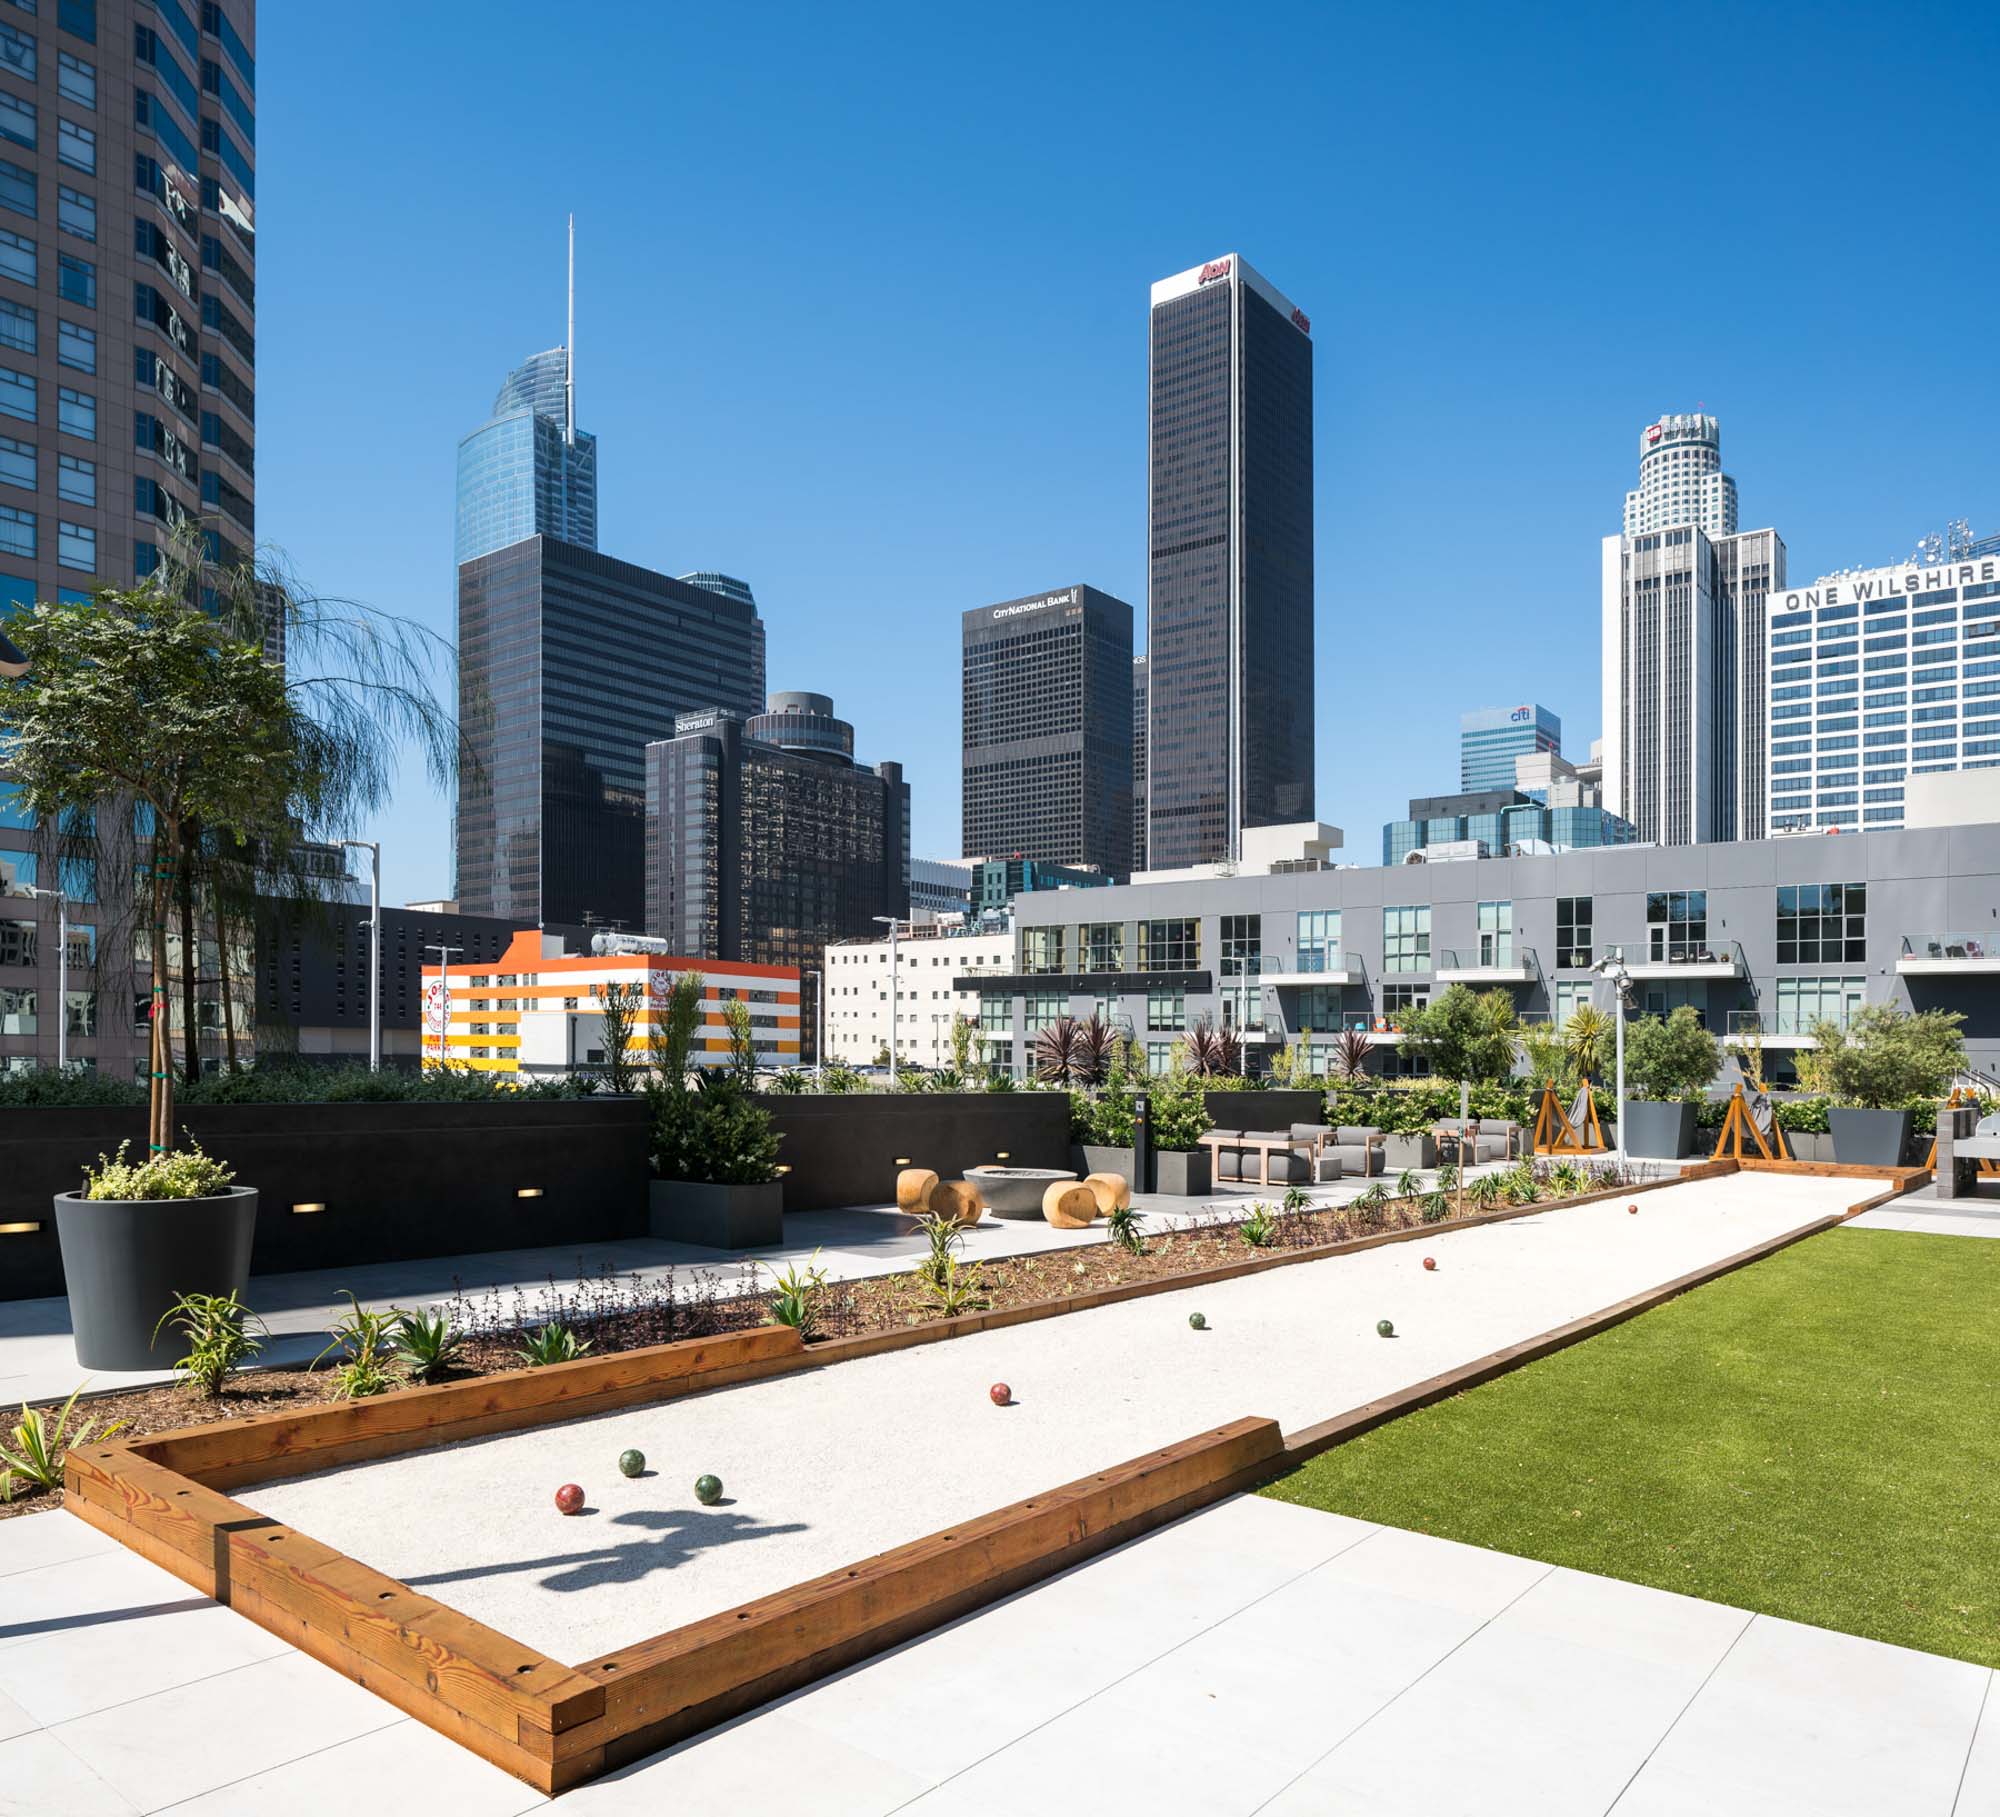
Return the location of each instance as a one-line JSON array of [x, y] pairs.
[[899, 1447]]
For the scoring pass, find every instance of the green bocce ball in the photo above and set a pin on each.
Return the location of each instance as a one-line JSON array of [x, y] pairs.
[[1196, 1322], [708, 1490], [631, 1463], [1383, 1329]]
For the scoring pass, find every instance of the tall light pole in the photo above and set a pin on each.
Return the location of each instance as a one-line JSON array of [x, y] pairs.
[[444, 1021], [895, 927], [1612, 966], [62, 974], [373, 847], [819, 1039]]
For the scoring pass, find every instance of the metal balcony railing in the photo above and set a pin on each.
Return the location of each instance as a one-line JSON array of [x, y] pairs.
[[1970, 948]]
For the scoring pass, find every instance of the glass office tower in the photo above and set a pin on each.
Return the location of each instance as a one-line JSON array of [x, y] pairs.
[[1490, 738], [1047, 729], [520, 474], [1230, 572], [570, 664]]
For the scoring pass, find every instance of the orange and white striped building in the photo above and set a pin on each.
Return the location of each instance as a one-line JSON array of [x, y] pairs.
[[535, 1013]]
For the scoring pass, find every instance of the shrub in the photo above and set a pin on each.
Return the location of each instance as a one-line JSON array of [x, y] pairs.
[[1259, 1229], [1465, 1034], [34, 1454], [946, 1237], [367, 1345], [1125, 1227], [953, 1293], [1670, 1061], [1370, 1204], [219, 1338], [801, 1298], [45, 1088], [1886, 1057], [428, 1342], [1804, 1116], [716, 1134], [551, 1343], [1180, 1113], [187, 1173]]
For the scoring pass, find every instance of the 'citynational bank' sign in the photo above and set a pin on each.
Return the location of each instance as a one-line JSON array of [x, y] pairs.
[[1889, 583], [1036, 605]]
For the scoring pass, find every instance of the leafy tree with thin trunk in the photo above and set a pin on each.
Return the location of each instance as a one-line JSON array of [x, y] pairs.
[[618, 1011]]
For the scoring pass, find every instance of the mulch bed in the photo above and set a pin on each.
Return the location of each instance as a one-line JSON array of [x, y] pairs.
[[629, 1312]]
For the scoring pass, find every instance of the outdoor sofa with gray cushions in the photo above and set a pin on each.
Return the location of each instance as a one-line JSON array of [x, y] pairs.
[[1493, 1138], [1348, 1151], [1289, 1167]]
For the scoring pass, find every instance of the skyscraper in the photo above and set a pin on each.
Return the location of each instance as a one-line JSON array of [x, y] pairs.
[[528, 470], [1490, 738], [1230, 563], [1047, 729], [570, 664], [1139, 712], [1685, 685]]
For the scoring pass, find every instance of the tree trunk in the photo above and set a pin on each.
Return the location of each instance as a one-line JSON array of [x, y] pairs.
[[228, 1001], [160, 1130], [190, 960]]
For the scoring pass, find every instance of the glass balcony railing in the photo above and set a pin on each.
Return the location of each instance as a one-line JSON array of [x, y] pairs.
[[1315, 959], [1488, 956], [1969, 948], [1785, 1024]]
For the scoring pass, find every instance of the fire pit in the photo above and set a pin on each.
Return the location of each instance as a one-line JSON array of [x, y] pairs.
[[1015, 1192]]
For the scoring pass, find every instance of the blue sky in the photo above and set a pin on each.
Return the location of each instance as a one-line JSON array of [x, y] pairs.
[[862, 312]]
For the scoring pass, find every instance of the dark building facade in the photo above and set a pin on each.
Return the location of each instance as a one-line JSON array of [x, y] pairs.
[[570, 664], [1139, 692], [764, 838], [1048, 729], [1229, 604]]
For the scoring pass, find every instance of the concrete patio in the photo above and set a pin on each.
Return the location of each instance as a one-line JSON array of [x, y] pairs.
[[1256, 1657]]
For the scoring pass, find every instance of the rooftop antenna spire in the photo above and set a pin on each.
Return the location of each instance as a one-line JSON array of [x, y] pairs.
[[569, 346]]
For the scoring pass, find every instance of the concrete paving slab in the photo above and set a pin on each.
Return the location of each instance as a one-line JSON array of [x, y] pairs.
[[39, 1777], [1979, 1789]]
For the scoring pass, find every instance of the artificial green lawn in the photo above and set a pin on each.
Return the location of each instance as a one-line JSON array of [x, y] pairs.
[[1816, 1436]]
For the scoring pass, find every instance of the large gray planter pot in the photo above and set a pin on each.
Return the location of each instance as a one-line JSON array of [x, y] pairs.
[[718, 1217], [1659, 1132], [1418, 1149], [1182, 1173], [126, 1260], [1870, 1138], [1808, 1145], [1089, 1157]]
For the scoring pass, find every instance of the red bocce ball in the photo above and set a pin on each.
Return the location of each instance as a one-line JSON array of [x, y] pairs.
[[1633, 1209], [1000, 1394], [1430, 1262], [569, 1499]]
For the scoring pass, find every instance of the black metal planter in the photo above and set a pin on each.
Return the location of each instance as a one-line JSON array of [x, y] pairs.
[[1659, 1132], [1870, 1138], [125, 1260]]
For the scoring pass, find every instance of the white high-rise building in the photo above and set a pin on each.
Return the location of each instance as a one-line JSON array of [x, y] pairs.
[[1881, 677], [1684, 653]]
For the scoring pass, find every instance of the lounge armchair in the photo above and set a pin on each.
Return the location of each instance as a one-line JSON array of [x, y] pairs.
[[1491, 1138], [1356, 1151]]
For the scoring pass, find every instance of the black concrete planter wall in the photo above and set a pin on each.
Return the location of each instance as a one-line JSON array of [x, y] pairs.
[[1870, 1138], [718, 1217], [127, 1260], [396, 1181], [847, 1149], [1263, 1109], [1659, 1132]]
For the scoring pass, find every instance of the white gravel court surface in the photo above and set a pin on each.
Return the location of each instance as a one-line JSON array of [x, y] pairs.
[[829, 1466]]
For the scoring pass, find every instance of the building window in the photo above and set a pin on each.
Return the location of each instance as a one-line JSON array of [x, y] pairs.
[[1042, 950], [17, 189], [17, 532], [17, 468], [17, 258], [76, 213], [76, 80], [1319, 940], [1160, 1057], [76, 480], [1040, 1008], [1676, 925], [17, 1011], [17, 120], [17, 394], [1406, 938], [76, 281], [1101, 945], [76, 546], [17, 52], [17, 326], [76, 411], [1166, 1011], [1822, 924], [1574, 916], [77, 146], [1242, 946], [1496, 934], [1572, 994], [1170, 946], [1398, 997], [1805, 1001], [996, 1014]]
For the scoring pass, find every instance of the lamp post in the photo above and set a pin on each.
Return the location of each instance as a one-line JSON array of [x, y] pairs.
[[819, 1037], [373, 847], [444, 1019], [1612, 966], [895, 927], [62, 973]]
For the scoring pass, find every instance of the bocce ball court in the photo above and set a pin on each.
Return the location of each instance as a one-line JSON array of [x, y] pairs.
[[870, 1488]]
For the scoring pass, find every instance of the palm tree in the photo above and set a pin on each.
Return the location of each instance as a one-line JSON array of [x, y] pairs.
[[1588, 1036], [1350, 1054], [1059, 1051], [1211, 1054]]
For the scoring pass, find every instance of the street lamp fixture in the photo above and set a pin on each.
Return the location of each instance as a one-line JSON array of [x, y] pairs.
[[895, 926], [1612, 966], [373, 848]]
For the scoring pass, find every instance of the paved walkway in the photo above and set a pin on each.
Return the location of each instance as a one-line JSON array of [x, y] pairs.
[[38, 1359], [1256, 1657], [1923, 1210]]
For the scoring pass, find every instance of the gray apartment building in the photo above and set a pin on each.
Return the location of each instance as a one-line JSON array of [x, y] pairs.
[[1047, 729], [1766, 936], [1229, 590], [128, 382], [570, 663]]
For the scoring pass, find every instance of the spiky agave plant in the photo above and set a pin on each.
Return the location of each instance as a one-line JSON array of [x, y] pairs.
[[1058, 1052]]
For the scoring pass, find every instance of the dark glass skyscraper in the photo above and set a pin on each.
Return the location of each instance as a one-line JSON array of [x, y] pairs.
[[522, 472], [1229, 605], [1139, 727], [1047, 730], [570, 664], [764, 838]]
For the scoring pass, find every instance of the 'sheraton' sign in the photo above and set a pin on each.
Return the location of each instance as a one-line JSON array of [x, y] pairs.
[[1887, 583]]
